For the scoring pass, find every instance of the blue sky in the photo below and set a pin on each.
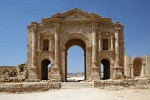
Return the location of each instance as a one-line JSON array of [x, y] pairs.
[[15, 15]]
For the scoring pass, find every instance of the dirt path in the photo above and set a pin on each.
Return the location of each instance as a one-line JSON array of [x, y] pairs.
[[80, 94]]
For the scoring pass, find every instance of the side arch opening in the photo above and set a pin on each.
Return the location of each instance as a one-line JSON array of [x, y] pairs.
[[105, 69], [45, 68], [137, 66]]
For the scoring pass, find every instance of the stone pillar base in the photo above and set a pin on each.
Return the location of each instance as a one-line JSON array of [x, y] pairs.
[[117, 72], [32, 73], [56, 74], [95, 76], [64, 80]]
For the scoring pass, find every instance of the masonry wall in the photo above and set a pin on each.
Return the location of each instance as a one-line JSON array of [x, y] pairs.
[[13, 73], [29, 87], [147, 65], [6, 72], [129, 61]]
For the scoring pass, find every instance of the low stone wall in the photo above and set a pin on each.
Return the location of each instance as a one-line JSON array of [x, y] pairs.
[[130, 83], [6, 72], [28, 86]]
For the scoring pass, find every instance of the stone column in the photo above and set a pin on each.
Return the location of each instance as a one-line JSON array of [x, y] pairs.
[[56, 29], [18, 72], [88, 62], [109, 43], [33, 67], [112, 42], [117, 68], [50, 43], [100, 46], [63, 64], [142, 70], [50, 46], [131, 71], [56, 67], [94, 69], [117, 47], [39, 43]]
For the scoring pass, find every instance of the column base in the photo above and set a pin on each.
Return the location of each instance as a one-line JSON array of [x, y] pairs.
[[32, 73], [132, 77], [95, 76], [142, 71], [117, 72], [56, 74]]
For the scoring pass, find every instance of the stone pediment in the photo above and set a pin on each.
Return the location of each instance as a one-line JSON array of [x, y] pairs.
[[75, 14]]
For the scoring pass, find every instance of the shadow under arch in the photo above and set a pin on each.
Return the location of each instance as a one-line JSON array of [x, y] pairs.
[[106, 69], [137, 66], [44, 69]]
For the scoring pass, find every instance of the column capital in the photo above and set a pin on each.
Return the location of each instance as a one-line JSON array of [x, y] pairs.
[[144, 64], [143, 70], [94, 27], [118, 26], [56, 27], [94, 20], [88, 48], [63, 49], [94, 24], [112, 36], [131, 65], [32, 29], [100, 36]]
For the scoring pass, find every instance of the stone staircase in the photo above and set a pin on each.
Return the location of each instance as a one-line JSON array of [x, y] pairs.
[[75, 85]]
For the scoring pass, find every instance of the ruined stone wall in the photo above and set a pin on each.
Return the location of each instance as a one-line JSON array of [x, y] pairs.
[[22, 72], [129, 64], [7, 72], [29, 87], [147, 65], [127, 69], [121, 84], [13, 73]]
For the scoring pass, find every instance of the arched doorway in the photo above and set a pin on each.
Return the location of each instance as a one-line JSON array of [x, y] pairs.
[[45, 66], [137, 66], [71, 44], [105, 69]]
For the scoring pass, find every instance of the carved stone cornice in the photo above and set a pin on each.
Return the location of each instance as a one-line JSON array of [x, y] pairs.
[[90, 18], [118, 26], [94, 27], [46, 21], [33, 27], [56, 27]]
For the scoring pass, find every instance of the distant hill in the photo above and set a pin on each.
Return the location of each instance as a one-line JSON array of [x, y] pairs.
[[75, 74]]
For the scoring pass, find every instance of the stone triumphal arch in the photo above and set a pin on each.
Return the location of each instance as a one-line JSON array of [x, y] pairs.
[[101, 40]]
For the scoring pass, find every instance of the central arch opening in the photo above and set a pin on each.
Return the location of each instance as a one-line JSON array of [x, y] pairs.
[[76, 66]]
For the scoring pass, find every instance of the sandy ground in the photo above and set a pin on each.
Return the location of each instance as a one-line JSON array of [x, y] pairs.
[[75, 78], [80, 94]]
